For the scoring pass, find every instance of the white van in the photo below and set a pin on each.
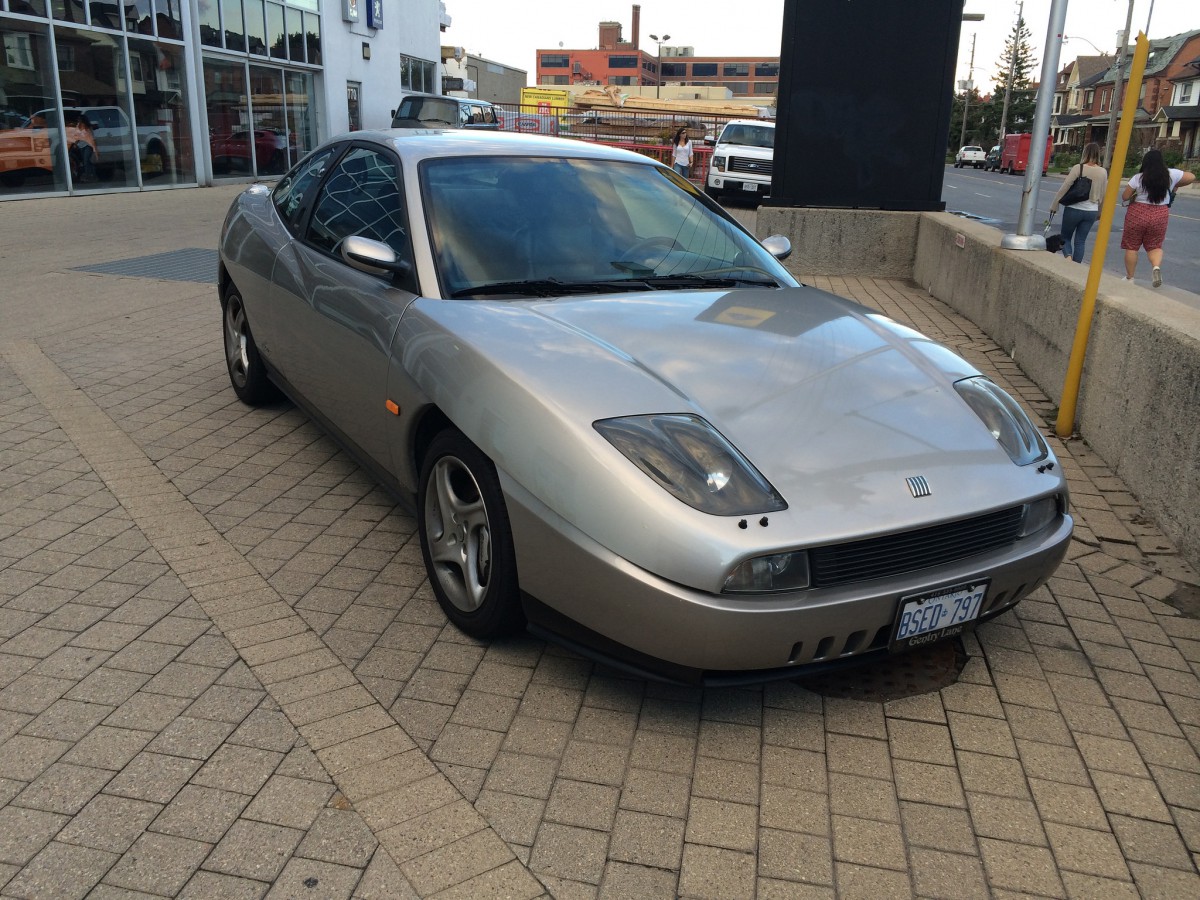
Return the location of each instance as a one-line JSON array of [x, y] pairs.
[[742, 159]]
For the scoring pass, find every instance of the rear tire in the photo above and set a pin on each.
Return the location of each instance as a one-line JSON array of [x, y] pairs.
[[247, 372], [466, 538]]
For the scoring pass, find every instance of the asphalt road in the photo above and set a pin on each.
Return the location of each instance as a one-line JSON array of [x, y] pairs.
[[995, 199]]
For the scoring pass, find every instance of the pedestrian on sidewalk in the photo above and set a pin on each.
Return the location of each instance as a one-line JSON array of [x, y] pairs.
[[1080, 215], [1148, 196], [681, 153]]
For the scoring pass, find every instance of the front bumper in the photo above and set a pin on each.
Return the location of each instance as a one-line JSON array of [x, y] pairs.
[[724, 183], [575, 581]]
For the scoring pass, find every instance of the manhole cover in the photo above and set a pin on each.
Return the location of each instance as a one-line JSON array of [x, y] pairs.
[[893, 676]]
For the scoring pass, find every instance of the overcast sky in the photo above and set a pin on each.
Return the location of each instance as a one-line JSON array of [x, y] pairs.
[[510, 33]]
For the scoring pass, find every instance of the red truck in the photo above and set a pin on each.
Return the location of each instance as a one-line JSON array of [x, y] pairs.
[[1014, 157]]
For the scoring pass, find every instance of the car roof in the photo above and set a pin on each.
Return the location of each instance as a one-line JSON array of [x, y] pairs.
[[415, 144], [767, 122]]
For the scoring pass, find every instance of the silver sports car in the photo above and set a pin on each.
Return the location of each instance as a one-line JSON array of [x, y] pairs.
[[618, 418]]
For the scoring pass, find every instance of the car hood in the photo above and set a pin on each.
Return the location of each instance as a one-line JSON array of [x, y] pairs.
[[824, 397], [836, 405]]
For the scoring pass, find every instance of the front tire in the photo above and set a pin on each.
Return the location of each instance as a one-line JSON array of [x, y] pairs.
[[247, 372], [466, 538]]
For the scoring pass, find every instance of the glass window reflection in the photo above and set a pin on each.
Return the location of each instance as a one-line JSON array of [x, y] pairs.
[[160, 113], [27, 160], [276, 35], [270, 143], [228, 117], [96, 109], [105, 14], [256, 31], [210, 22], [235, 29]]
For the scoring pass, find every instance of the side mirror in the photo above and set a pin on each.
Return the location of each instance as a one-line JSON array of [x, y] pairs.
[[372, 257], [778, 246], [392, 114]]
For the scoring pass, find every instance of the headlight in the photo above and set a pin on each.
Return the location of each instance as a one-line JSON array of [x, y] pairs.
[[718, 163], [1041, 513], [693, 462], [764, 574], [1004, 419]]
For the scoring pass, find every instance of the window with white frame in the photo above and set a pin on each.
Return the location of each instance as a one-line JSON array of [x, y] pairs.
[[1183, 96], [18, 53]]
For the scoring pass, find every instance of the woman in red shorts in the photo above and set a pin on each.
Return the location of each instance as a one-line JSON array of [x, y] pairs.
[[1146, 218]]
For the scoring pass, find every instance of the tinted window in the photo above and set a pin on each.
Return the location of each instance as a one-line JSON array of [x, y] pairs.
[[362, 197], [295, 187]]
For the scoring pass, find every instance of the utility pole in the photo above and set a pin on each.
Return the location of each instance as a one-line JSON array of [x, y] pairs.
[[1119, 84], [962, 138], [1012, 70]]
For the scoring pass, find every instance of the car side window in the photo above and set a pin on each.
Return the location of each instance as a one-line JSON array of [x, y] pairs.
[[295, 187], [360, 197]]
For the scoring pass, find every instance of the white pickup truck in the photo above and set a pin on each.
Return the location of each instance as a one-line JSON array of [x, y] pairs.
[[110, 125], [970, 156]]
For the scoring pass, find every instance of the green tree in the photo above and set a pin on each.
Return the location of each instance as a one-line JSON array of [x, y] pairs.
[[1017, 59], [974, 131]]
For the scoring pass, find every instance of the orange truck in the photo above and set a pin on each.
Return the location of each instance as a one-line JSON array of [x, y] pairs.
[[1014, 157]]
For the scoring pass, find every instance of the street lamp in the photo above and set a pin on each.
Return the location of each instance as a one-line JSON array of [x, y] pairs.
[[1071, 37], [660, 42]]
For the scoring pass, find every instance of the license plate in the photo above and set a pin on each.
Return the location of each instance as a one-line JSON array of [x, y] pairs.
[[751, 186], [924, 618]]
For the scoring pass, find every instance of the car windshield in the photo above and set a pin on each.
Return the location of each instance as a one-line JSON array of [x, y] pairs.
[[749, 135], [530, 226], [427, 111]]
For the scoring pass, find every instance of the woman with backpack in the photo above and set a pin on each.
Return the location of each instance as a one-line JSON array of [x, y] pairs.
[[1148, 196], [1080, 196]]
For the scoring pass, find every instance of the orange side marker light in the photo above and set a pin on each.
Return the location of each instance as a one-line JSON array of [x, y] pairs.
[[392, 407]]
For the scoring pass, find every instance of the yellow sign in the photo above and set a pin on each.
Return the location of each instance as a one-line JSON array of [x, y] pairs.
[[545, 100]]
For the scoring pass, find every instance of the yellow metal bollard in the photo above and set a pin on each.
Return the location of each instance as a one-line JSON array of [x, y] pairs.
[[1065, 424]]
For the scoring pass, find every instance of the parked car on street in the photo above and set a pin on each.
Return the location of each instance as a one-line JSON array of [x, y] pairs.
[[435, 111], [992, 163], [742, 159], [619, 420], [970, 156]]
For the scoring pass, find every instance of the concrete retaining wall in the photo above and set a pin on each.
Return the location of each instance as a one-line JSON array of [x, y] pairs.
[[1139, 407]]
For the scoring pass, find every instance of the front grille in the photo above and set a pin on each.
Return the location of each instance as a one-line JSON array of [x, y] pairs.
[[750, 166], [913, 550]]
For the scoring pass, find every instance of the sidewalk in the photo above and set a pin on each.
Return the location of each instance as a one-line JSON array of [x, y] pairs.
[[222, 673]]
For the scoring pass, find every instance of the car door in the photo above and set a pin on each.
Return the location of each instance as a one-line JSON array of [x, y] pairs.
[[335, 321]]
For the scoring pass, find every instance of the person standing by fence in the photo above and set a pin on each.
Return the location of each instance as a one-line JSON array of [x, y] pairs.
[[681, 153], [1148, 196]]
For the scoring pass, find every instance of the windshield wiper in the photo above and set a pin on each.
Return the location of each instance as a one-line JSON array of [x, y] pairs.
[[661, 282], [552, 287]]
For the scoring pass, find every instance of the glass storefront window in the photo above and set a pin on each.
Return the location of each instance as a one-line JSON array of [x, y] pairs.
[[28, 7], [139, 16], [68, 10], [312, 38], [276, 36], [96, 99], [28, 161], [256, 31], [228, 117], [169, 16], [301, 113], [210, 22], [235, 29], [270, 120], [105, 14], [160, 113]]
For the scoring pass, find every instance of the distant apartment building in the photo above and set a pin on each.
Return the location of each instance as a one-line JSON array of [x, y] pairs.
[[616, 61]]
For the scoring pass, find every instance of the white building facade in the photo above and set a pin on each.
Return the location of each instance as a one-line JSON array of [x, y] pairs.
[[106, 95]]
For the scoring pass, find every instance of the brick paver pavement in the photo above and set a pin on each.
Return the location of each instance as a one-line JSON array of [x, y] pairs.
[[222, 673]]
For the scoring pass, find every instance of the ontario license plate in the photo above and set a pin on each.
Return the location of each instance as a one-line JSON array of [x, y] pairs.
[[924, 618], [751, 186]]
